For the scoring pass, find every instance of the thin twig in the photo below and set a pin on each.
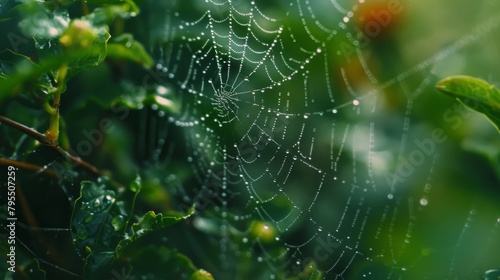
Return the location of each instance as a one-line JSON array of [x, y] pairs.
[[42, 139], [27, 130], [77, 161], [27, 166]]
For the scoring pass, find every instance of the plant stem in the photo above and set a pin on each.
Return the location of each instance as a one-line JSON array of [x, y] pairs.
[[85, 8], [52, 134], [27, 166]]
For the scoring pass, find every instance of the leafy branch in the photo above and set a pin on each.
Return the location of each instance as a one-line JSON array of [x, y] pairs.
[[103, 224], [64, 48]]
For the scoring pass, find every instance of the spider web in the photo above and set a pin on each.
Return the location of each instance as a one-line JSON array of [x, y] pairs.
[[278, 130]]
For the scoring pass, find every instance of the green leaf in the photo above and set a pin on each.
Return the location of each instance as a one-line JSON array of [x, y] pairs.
[[27, 75], [111, 9], [79, 44], [492, 274], [85, 44], [91, 228], [125, 47], [99, 220], [83, 40], [136, 98], [41, 22], [151, 222], [37, 88], [474, 93], [80, 34], [148, 257], [201, 274]]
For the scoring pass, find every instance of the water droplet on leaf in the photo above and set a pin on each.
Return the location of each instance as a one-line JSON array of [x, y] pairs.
[[118, 222]]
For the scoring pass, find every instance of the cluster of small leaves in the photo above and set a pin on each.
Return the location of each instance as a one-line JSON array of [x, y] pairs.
[[79, 43], [60, 47], [104, 235]]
